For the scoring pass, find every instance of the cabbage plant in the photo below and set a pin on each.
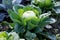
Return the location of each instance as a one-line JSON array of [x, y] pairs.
[[46, 4], [3, 36], [29, 22], [9, 36]]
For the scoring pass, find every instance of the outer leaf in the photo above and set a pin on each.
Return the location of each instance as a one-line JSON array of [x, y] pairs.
[[30, 36], [2, 17], [16, 7], [16, 2], [11, 25], [49, 35], [38, 29], [43, 19], [13, 15], [8, 3], [51, 20], [18, 28], [16, 21], [57, 10], [57, 7]]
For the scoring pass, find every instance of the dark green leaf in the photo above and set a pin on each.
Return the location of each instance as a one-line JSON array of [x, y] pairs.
[[30, 36], [18, 28]]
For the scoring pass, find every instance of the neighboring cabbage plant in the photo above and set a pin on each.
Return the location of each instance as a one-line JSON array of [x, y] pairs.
[[47, 4], [9, 36], [3, 36]]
